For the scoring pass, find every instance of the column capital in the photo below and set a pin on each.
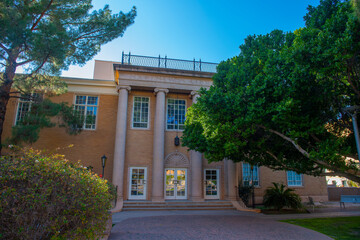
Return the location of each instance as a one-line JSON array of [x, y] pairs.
[[194, 93], [165, 90], [119, 87]]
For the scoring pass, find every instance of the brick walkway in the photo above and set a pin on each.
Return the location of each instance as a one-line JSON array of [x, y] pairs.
[[215, 225]]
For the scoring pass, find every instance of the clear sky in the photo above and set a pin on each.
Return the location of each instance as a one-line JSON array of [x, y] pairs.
[[211, 30]]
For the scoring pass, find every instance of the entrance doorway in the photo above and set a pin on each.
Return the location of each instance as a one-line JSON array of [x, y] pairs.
[[211, 179], [175, 183], [137, 186]]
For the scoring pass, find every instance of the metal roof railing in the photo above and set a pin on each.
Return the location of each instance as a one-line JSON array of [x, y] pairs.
[[159, 62]]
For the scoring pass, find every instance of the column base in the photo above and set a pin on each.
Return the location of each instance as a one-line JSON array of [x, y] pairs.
[[158, 199], [197, 199], [231, 198], [118, 207]]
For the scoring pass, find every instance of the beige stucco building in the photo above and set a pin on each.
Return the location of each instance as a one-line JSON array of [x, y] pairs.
[[138, 108]]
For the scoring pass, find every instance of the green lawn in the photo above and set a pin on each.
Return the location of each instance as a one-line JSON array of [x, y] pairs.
[[338, 228]]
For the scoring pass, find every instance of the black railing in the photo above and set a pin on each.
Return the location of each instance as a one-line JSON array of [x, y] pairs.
[[159, 62]]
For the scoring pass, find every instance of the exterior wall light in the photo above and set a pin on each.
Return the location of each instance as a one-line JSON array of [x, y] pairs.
[[177, 141], [103, 163]]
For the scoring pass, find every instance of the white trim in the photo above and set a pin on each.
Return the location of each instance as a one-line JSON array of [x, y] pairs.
[[143, 197], [175, 188], [97, 111], [132, 115], [166, 115], [217, 183]]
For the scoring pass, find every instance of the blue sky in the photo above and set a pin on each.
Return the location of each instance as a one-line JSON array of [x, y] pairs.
[[211, 30]]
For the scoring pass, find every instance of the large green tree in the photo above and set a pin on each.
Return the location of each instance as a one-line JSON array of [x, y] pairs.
[[281, 102], [44, 37]]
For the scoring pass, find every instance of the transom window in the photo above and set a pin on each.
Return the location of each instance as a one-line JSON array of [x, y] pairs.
[[294, 179], [24, 105], [87, 107], [176, 109], [141, 112], [249, 176]]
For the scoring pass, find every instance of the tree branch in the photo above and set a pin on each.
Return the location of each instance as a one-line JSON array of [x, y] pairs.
[[298, 147], [41, 15], [5, 49], [24, 62]]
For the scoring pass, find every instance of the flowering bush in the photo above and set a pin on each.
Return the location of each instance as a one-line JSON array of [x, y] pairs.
[[43, 196]]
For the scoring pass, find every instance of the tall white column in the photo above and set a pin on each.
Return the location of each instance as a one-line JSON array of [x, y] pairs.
[[159, 139], [120, 140], [196, 168], [231, 172]]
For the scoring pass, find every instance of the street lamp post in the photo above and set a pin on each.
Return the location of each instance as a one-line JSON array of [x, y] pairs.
[[103, 163], [353, 110]]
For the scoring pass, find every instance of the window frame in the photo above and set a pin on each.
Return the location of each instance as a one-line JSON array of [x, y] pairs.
[[167, 109], [242, 174], [27, 101], [97, 110], [133, 112], [289, 182]]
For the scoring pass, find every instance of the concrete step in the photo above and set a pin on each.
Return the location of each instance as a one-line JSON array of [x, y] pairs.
[[176, 205]]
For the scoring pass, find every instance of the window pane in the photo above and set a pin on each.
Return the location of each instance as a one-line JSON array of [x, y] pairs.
[[86, 107], [249, 176], [141, 112], [176, 110], [92, 100], [24, 105], [80, 100], [294, 179]]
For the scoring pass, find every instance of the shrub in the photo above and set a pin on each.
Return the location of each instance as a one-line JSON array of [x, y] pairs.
[[245, 193], [279, 197], [43, 196]]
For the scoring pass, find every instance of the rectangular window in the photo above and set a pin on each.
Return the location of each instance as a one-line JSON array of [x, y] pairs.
[[250, 176], [176, 110], [294, 179], [24, 105], [87, 107], [141, 112]]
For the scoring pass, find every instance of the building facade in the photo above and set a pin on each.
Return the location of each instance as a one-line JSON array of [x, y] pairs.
[[136, 114]]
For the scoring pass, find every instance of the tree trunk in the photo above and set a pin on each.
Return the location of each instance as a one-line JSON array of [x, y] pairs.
[[5, 88]]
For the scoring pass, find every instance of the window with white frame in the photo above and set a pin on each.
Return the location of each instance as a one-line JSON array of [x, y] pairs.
[[176, 110], [140, 117], [248, 176], [294, 179], [24, 106], [86, 107]]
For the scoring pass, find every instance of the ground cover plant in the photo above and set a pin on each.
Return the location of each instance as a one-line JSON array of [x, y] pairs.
[[44, 196], [339, 228]]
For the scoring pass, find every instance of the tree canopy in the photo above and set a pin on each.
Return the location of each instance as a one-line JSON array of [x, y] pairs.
[[281, 102], [44, 37]]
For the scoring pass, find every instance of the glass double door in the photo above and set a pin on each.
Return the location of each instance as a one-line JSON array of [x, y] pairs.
[[175, 183]]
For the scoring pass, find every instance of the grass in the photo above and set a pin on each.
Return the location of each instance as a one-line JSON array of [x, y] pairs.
[[344, 228]]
